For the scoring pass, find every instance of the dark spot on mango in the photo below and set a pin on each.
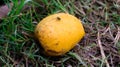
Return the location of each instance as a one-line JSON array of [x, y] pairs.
[[57, 44], [58, 18]]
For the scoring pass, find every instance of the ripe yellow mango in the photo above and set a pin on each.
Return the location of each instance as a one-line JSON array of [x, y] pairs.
[[59, 33]]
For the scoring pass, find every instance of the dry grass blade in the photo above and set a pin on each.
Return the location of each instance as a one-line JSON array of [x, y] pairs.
[[102, 51], [117, 36], [106, 30]]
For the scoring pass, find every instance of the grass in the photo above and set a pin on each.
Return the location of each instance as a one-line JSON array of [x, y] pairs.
[[18, 46]]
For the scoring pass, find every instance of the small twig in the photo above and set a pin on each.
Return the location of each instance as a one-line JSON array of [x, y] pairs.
[[102, 51]]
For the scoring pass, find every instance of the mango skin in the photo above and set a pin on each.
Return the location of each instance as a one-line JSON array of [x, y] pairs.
[[59, 33]]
